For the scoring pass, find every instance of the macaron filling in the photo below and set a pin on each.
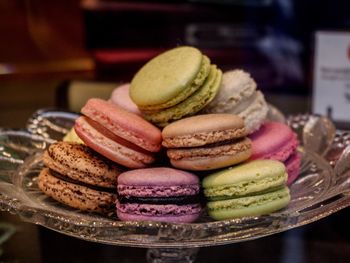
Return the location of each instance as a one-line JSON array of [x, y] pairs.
[[228, 147], [175, 200], [202, 138]]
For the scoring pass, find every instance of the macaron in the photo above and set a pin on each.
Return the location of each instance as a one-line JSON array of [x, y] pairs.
[[117, 134], [238, 94], [120, 97], [177, 83], [277, 141], [249, 189], [72, 136], [158, 194], [79, 177], [206, 142]]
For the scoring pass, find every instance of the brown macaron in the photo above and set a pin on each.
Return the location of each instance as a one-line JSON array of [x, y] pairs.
[[207, 142], [79, 177]]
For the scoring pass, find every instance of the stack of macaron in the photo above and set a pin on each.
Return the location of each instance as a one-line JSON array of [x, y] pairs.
[[206, 142], [158, 194], [249, 189], [79, 177], [177, 83], [224, 136], [117, 134]]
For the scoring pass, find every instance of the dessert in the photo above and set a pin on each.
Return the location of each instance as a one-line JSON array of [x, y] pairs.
[[79, 177], [120, 97], [206, 142], [277, 141], [72, 136], [167, 91], [238, 95], [177, 83], [250, 189], [117, 134], [158, 194]]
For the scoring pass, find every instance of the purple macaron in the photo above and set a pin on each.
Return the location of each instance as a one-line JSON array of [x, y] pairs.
[[158, 194]]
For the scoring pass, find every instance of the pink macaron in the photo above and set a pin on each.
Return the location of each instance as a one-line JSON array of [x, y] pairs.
[[158, 194], [117, 134], [277, 141], [120, 96]]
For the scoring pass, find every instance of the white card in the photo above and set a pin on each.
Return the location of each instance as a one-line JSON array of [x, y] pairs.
[[331, 85]]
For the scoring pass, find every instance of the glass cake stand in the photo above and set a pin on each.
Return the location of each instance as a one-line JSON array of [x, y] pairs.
[[321, 190]]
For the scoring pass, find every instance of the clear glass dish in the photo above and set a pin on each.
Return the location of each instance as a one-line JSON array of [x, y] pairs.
[[321, 189]]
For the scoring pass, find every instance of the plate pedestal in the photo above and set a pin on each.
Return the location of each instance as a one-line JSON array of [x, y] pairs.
[[171, 255]]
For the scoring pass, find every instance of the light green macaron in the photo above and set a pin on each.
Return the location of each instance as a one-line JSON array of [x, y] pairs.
[[197, 101], [175, 84], [169, 78], [250, 189]]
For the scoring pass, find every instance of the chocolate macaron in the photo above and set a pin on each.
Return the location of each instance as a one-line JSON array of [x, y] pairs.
[[158, 194], [206, 142], [79, 177]]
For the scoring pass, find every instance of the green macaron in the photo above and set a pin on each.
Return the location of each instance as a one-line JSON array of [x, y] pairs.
[[175, 84], [169, 78], [250, 189], [197, 101]]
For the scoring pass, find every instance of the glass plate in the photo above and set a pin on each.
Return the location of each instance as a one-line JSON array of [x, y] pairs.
[[319, 191]]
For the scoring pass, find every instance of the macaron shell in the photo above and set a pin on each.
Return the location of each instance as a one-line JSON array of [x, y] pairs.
[[110, 148], [158, 176], [248, 171], [188, 218], [203, 129], [74, 195], [273, 140], [293, 164], [236, 86], [249, 206], [255, 114], [191, 105], [124, 124], [181, 70], [80, 163], [120, 97]]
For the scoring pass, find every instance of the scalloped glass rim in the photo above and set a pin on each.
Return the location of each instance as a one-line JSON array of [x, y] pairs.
[[20, 151]]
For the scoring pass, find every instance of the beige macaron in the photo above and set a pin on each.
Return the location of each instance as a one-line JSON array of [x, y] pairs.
[[238, 94], [206, 142]]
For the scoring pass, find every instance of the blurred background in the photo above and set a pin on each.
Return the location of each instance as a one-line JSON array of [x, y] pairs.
[[46, 45], [50, 50]]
